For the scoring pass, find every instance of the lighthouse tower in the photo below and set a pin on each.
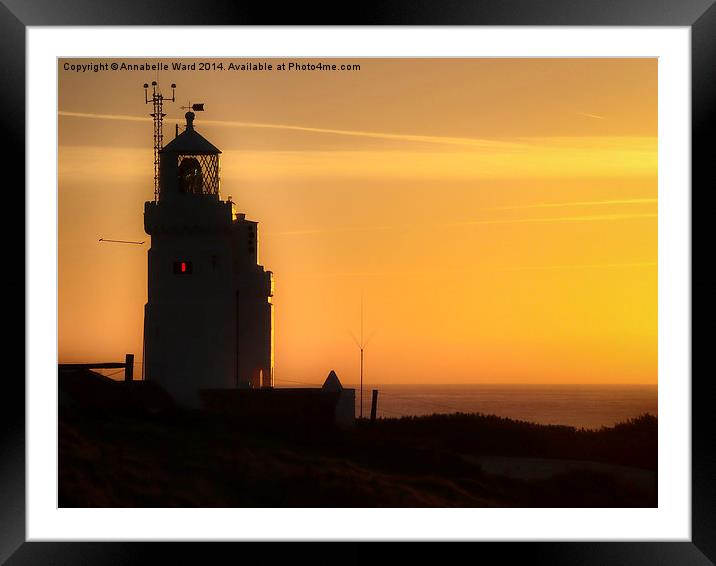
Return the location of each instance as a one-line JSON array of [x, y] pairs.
[[208, 318]]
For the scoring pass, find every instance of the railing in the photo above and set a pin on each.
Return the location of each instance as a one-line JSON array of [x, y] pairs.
[[128, 366]]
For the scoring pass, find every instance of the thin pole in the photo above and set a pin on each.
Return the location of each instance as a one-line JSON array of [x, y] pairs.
[[361, 356], [361, 382]]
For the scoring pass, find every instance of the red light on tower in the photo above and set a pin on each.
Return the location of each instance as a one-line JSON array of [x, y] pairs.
[[182, 267]]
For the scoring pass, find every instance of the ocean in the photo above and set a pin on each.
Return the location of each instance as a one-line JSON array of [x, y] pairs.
[[587, 406]]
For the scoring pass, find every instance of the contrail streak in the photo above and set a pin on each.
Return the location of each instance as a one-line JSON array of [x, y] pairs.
[[472, 142], [588, 115], [310, 231], [585, 218], [413, 272], [585, 266], [578, 203]]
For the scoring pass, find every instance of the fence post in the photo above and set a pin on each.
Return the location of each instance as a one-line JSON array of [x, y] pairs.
[[129, 367], [373, 405]]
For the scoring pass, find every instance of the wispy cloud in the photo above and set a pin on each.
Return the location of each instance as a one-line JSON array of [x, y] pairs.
[[553, 219], [585, 266], [414, 272], [588, 115], [118, 117], [540, 220], [445, 140], [311, 231], [578, 203]]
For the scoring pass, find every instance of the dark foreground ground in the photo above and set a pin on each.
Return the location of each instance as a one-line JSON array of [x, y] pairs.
[[176, 458]]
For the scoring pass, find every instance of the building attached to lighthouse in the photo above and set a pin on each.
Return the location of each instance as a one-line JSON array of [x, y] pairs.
[[208, 321]]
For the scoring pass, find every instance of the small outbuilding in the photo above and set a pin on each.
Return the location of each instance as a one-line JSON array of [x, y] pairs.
[[346, 403], [329, 404]]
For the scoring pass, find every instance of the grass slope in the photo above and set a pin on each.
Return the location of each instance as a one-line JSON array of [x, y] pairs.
[[180, 458]]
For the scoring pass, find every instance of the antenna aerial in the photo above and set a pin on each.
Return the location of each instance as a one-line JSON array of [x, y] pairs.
[[157, 100], [362, 343]]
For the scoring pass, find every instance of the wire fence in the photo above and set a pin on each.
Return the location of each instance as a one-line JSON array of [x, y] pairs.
[[112, 373]]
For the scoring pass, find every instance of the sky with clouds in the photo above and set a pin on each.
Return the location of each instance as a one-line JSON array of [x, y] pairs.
[[497, 216]]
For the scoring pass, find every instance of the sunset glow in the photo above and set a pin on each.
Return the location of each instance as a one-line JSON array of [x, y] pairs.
[[498, 217]]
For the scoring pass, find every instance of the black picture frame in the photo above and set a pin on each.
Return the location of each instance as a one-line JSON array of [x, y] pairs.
[[698, 15]]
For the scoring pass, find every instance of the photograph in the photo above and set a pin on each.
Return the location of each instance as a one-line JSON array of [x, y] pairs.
[[357, 282]]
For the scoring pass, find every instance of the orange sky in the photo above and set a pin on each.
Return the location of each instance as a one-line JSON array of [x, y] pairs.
[[498, 216]]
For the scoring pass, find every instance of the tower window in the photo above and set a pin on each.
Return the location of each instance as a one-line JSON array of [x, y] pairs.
[[190, 176], [182, 267], [198, 174]]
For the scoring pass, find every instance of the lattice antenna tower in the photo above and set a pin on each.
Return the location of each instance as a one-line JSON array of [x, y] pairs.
[[157, 101]]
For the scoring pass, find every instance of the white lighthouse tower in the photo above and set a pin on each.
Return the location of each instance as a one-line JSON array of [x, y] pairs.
[[208, 318]]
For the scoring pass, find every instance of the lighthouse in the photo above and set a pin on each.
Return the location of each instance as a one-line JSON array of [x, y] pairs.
[[208, 321]]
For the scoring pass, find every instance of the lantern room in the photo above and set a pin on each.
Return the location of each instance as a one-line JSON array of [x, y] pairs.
[[188, 165]]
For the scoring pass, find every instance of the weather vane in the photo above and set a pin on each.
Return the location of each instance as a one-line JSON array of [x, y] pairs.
[[199, 107]]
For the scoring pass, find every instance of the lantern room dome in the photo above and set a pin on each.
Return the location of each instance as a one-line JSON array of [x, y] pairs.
[[190, 142]]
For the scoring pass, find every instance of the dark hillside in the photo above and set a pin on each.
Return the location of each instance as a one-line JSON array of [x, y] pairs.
[[147, 453]]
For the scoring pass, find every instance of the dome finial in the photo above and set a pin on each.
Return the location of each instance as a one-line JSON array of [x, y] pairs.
[[189, 120]]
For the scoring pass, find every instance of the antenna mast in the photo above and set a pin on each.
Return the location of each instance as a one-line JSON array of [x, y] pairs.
[[362, 345], [157, 100]]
